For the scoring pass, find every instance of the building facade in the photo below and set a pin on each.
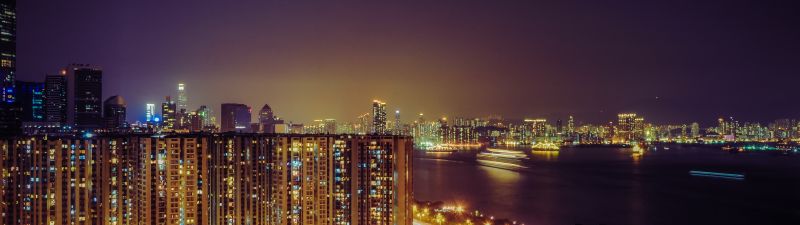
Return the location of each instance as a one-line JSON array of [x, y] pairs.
[[206, 179], [8, 49], [55, 99], [115, 112], [378, 117], [235, 117], [30, 96], [84, 96], [169, 114]]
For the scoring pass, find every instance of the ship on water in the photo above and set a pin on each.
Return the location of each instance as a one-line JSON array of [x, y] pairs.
[[546, 146], [503, 158]]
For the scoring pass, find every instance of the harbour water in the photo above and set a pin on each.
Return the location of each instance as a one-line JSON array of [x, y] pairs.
[[618, 186]]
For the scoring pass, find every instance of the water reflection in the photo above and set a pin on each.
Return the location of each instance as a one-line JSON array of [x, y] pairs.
[[501, 176], [550, 156], [617, 186]]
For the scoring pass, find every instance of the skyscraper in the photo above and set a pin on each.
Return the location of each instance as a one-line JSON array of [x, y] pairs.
[[267, 119], [630, 127], [84, 96], [570, 126], [559, 127], [182, 98], [8, 49], [695, 129], [625, 126], [205, 114], [150, 112], [169, 114], [30, 96], [235, 117], [378, 117], [55, 98], [398, 126], [114, 112], [10, 113]]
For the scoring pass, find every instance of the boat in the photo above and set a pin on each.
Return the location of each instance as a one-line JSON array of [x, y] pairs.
[[503, 158], [546, 146], [732, 149], [639, 147]]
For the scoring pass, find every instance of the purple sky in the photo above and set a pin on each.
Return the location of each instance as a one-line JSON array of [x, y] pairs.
[[518, 59]]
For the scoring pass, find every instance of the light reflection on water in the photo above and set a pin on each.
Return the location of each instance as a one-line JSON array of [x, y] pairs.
[[501, 176], [619, 186], [545, 155]]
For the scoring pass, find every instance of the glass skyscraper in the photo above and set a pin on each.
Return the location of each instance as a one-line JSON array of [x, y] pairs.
[[8, 48]]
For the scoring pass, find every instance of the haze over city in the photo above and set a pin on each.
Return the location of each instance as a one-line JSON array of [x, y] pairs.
[[404, 113], [674, 61]]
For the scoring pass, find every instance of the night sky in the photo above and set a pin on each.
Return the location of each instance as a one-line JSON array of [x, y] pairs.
[[673, 61]]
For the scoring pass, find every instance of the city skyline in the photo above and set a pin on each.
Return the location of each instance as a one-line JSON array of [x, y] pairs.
[[399, 113], [514, 59]]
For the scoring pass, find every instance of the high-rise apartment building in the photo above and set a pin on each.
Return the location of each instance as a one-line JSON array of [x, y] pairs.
[[378, 117], [169, 114], [207, 179]]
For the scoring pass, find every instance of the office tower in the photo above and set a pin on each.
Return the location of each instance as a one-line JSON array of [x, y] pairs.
[[10, 113], [195, 123], [10, 119], [8, 49], [398, 126], [538, 127], [182, 120], [268, 120], [630, 127], [205, 114], [55, 98], [114, 112], [695, 129], [638, 128], [168, 114], [571, 126], [625, 126], [559, 127], [30, 96], [235, 117], [378, 117], [182, 98], [150, 112], [84, 96]]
